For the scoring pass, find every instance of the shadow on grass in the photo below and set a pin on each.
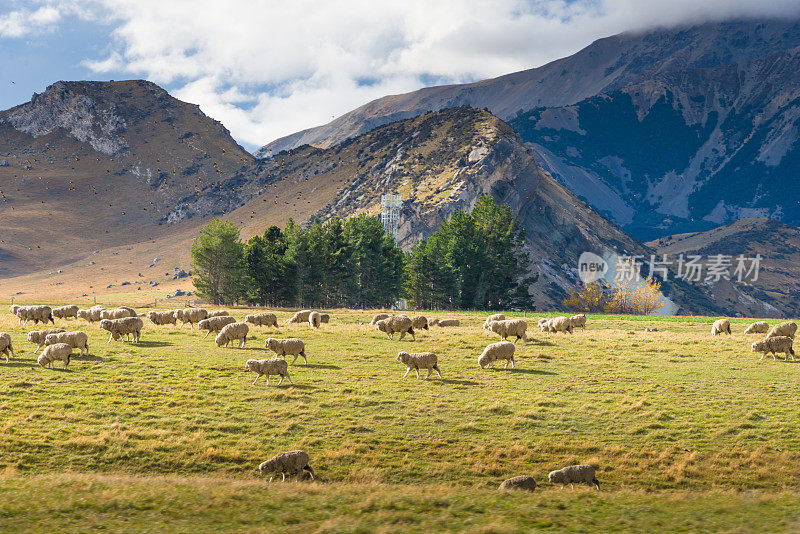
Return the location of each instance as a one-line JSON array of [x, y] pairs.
[[319, 366], [458, 382], [541, 343], [530, 371], [152, 344], [19, 363], [91, 358]]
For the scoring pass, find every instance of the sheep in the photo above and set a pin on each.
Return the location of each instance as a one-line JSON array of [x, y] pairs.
[[162, 317], [510, 327], [759, 327], [91, 315], [191, 316], [275, 366], [262, 319], [774, 344], [651, 329], [215, 324], [392, 325], [578, 321], [721, 326], [13, 309], [523, 482], [325, 318], [299, 317], [787, 328], [127, 326], [502, 350], [560, 324], [36, 314], [495, 317], [449, 322], [6, 346], [75, 339], [130, 310], [314, 319], [290, 345], [379, 317], [66, 311], [231, 332], [218, 313], [543, 324], [292, 462], [419, 322], [51, 353], [37, 336], [433, 322], [419, 360], [117, 313], [574, 474]]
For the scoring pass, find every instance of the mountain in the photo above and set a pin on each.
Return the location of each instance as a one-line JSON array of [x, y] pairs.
[[667, 131]]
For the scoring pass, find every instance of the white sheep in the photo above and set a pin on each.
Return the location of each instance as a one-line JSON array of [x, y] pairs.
[[378, 317], [419, 322], [574, 474], [36, 314], [262, 319], [75, 339], [38, 336], [162, 317], [526, 483], [314, 319], [275, 366], [231, 332], [721, 326], [759, 327], [510, 327], [502, 350], [494, 317], [449, 322], [287, 463], [91, 315], [65, 312], [419, 360], [117, 313], [325, 318], [578, 321], [191, 316], [299, 317], [559, 324], [51, 353], [290, 346], [127, 327], [774, 344], [397, 324], [215, 324], [6, 346], [217, 313], [787, 329]]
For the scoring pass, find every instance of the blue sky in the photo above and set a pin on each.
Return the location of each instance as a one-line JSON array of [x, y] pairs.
[[267, 68]]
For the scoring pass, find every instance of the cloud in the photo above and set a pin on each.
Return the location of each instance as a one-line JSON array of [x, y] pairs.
[[267, 68], [22, 22]]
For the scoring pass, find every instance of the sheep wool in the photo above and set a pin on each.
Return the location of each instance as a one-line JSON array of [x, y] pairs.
[[91, 315], [510, 327], [574, 474], [419, 360], [560, 324], [397, 324], [37, 314], [65, 311], [525, 483], [76, 339], [215, 324], [759, 327], [449, 322], [38, 336], [502, 350], [379, 317], [6, 347], [578, 321], [299, 317], [773, 345], [314, 319], [191, 316], [787, 329], [290, 346], [495, 317], [262, 319], [217, 313], [419, 322], [232, 332], [51, 353], [287, 463], [325, 318], [162, 317], [117, 313], [721, 326], [433, 322], [127, 327], [275, 366]]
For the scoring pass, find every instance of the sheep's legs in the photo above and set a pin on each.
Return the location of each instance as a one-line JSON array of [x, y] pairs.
[[205, 336], [407, 371], [110, 338], [305, 360], [438, 372], [416, 371], [283, 477], [37, 349], [295, 359], [430, 370], [256, 380]]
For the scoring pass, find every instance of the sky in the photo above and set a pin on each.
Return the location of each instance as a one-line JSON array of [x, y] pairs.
[[266, 69]]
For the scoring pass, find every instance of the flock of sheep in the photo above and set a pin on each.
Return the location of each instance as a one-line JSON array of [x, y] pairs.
[[123, 323]]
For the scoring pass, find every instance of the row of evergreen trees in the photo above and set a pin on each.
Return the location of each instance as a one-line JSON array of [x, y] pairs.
[[476, 260]]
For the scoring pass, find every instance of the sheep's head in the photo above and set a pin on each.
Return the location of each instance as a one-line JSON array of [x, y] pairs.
[[250, 365], [204, 325], [484, 360], [266, 467], [555, 477], [105, 324], [43, 360], [382, 325], [403, 357], [50, 339], [14, 309], [758, 346], [32, 336]]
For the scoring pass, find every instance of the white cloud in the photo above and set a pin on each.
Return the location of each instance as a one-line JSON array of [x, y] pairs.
[[21, 22], [268, 68]]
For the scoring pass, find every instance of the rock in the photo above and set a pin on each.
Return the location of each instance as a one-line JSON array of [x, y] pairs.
[[125, 284], [4, 163], [180, 274], [178, 293]]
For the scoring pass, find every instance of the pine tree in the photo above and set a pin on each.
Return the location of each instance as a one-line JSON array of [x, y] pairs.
[[218, 263]]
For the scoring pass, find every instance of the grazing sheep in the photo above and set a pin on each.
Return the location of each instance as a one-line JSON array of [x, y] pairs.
[[162, 317], [519, 483], [37, 336], [231, 332], [419, 360], [314, 319], [651, 329], [787, 328], [759, 327], [127, 327], [275, 366], [433, 322], [36, 314], [6, 346], [574, 474], [393, 325], [299, 317], [75, 339], [510, 327], [287, 463], [91, 315], [502, 350], [379, 317], [495, 317], [290, 345], [559, 324], [449, 322], [51, 353], [191, 316], [544, 324], [66, 311], [721, 326], [218, 313], [773, 345], [578, 321], [262, 319], [13, 309], [325, 318], [215, 324], [419, 322], [117, 313]]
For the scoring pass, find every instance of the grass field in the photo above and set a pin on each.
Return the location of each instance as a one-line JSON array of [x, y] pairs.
[[690, 432]]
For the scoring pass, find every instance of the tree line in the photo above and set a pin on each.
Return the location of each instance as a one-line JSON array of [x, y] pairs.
[[475, 260]]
